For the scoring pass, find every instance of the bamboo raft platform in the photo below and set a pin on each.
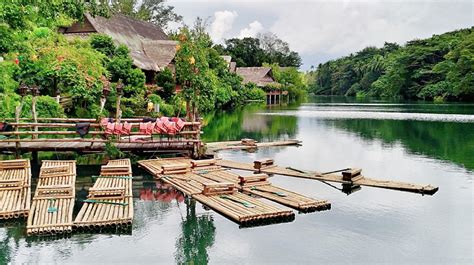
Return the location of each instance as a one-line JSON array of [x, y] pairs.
[[15, 188], [348, 176], [200, 179], [53, 202], [109, 204], [222, 197], [245, 144]]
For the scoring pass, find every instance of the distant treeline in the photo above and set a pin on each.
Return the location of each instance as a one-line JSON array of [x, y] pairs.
[[438, 68]]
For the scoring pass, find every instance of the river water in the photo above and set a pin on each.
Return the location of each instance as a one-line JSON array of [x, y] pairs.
[[408, 141]]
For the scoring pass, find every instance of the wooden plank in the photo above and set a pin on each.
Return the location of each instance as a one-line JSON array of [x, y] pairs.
[[384, 184]]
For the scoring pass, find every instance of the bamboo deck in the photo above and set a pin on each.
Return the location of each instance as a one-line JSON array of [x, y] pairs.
[[194, 180], [53, 202], [110, 201], [15, 188], [364, 181]]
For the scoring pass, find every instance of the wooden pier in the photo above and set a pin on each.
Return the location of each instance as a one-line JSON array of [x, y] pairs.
[[356, 180], [109, 204], [217, 187], [15, 188], [61, 134], [53, 202]]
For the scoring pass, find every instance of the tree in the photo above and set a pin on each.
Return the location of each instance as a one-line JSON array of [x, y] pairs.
[[278, 51], [154, 11]]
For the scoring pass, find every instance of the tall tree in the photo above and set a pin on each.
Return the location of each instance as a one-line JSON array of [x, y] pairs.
[[154, 11]]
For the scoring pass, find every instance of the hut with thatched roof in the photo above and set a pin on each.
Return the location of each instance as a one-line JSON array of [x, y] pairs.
[[261, 76], [150, 48]]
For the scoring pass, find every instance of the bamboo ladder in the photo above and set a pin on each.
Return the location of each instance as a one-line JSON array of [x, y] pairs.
[[110, 203], [15, 188], [53, 201]]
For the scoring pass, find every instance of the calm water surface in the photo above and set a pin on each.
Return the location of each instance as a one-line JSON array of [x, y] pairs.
[[415, 142]]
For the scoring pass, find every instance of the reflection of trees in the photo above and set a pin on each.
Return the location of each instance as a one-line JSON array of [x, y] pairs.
[[10, 235], [442, 140], [198, 233], [245, 123]]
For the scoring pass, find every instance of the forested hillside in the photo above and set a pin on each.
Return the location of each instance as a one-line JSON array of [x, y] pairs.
[[438, 68]]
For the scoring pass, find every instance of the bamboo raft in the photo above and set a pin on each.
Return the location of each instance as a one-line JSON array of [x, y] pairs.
[[15, 188], [258, 185], [348, 176], [53, 202], [216, 187], [109, 204]]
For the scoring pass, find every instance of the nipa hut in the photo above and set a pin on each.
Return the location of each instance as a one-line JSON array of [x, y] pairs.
[[150, 48]]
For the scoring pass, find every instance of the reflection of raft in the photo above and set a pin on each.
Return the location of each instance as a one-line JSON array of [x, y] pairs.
[[217, 187], [15, 188], [53, 202], [348, 176], [109, 203]]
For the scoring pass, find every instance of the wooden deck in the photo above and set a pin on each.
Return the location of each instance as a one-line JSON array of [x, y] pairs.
[[15, 188], [62, 134], [86, 146], [331, 177], [109, 204], [53, 202]]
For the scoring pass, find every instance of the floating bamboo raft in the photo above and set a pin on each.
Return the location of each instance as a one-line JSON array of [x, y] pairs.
[[15, 188], [109, 204], [216, 187], [348, 176], [258, 185], [53, 202]]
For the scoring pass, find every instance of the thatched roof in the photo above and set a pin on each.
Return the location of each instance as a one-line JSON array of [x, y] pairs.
[[261, 76], [150, 48]]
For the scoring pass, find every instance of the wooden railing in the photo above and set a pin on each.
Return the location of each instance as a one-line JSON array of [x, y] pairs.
[[60, 130]]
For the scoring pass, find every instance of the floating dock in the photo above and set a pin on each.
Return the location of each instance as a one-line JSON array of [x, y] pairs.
[[109, 204], [217, 188], [348, 176], [53, 202], [15, 188]]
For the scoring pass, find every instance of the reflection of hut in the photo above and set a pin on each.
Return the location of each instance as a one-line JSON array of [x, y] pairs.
[[150, 48]]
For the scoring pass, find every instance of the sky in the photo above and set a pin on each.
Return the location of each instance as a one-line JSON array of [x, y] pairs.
[[321, 30]]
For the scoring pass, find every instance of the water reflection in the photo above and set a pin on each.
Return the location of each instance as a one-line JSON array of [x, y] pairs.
[[244, 123], [442, 140], [198, 234]]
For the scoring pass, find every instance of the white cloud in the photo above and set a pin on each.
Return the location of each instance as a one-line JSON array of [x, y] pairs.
[[223, 22], [339, 28], [252, 30]]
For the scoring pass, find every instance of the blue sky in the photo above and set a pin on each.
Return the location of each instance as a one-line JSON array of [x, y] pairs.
[[321, 30]]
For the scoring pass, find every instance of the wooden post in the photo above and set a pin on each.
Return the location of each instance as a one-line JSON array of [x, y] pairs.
[[35, 116], [17, 120]]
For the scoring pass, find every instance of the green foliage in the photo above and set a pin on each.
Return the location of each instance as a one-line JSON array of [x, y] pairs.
[[437, 67], [46, 107], [165, 80], [291, 80], [266, 48], [112, 151], [103, 44], [154, 11]]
